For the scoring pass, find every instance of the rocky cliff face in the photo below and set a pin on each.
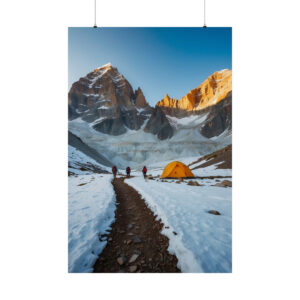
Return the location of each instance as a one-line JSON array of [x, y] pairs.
[[159, 125], [106, 100], [219, 118], [214, 89]]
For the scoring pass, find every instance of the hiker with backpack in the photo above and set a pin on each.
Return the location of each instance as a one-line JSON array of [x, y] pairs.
[[144, 171], [114, 171], [128, 171]]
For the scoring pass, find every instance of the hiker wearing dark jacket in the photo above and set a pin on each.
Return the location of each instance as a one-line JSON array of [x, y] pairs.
[[144, 171], [128, 171], [114, 171]]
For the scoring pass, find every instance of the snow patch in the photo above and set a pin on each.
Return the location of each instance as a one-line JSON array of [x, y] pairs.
[[203, 242], [91, 212]]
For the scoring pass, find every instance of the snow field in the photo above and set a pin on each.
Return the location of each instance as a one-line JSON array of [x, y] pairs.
[[203, 242], [91, 212], [211, 171]]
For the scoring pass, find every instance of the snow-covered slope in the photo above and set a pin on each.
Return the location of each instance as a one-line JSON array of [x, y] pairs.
[[91, 212], [79, 163], [77, 143], [202, 242]]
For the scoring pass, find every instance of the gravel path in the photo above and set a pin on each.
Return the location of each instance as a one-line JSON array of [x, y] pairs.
[[134, 243]]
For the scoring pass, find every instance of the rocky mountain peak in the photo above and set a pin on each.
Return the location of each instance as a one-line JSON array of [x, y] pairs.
[[140, 100], [106, 66], [106, 99], [214, 89]]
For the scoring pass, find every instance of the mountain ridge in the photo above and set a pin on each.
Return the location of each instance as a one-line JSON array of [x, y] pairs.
[[211, 91], [105, 99], [117, 121]]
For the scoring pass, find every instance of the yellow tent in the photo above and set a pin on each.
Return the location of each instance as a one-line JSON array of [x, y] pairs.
[[176, 169]]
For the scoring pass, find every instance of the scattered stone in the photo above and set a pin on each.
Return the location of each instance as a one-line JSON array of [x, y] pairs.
[[167, 227], [214, 212], [122, 231], [133, 258], [130, 233], [137, 240], [130, 226], [132, 268], [227, 183], [175, 233], [129, 242], [178, 181], [194, 183], [121, 260], [224, 183]]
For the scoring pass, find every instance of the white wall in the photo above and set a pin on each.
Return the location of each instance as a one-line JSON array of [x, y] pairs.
[[33, 64]]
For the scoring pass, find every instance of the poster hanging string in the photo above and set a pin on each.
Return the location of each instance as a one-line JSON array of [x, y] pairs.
[[95, 8], [95, 14], [204, 15]]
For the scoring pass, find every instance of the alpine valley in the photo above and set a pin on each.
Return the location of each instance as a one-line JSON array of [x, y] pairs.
[[116, 124]]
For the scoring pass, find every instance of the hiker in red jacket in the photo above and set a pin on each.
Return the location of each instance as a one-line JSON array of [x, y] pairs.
[[114, 170], [128, 171], [144, 171]]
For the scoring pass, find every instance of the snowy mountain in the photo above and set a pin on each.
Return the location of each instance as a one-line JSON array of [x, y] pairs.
[[117, 122], [213, 98], [106, 100]]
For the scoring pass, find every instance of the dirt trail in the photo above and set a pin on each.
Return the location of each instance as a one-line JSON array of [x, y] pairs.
[[135, 236]]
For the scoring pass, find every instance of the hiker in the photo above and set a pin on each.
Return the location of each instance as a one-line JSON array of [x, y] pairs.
[[144, 171], [128, 171], [114, 170]]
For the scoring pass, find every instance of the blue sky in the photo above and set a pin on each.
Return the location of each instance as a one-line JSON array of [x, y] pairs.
[[159, 60]]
